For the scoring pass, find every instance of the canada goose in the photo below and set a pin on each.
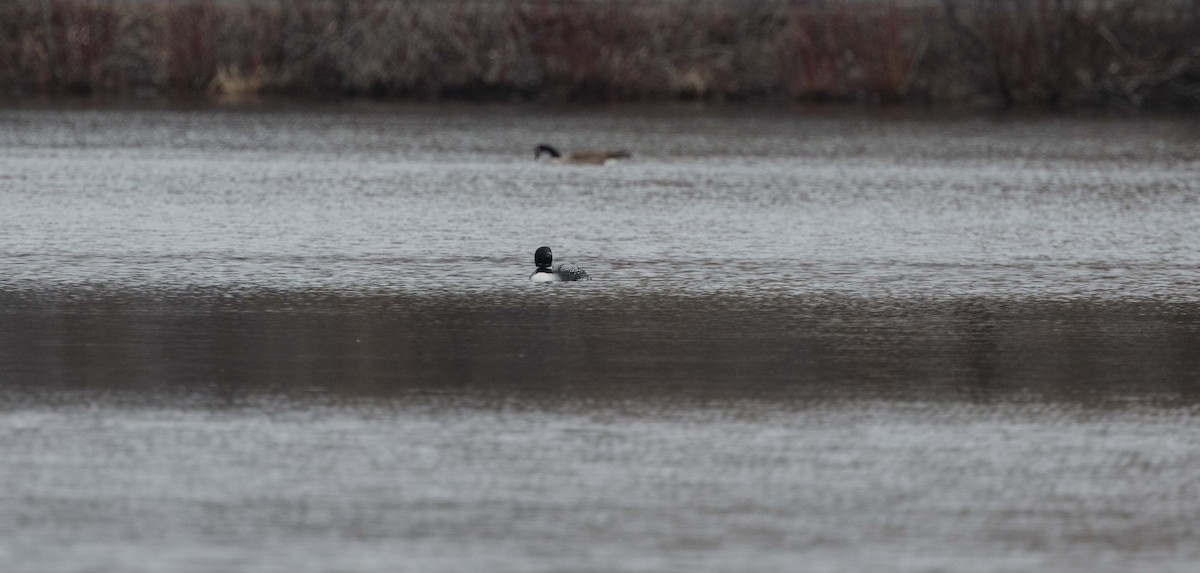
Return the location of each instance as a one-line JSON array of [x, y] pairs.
[[582, 157], [547, 272]]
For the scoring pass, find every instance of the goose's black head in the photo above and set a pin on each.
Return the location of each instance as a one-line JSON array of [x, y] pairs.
[[543, 148], [543, 258]]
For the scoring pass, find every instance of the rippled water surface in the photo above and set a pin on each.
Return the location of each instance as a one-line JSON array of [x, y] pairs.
[[302, 339], [452, 200]]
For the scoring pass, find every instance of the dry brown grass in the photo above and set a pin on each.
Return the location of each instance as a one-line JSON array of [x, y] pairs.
[[1021, 52]]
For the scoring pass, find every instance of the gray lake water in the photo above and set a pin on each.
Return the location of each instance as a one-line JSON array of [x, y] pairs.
[[302, 339]]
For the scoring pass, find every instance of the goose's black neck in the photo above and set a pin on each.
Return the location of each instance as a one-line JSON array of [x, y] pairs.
[[543, 148]]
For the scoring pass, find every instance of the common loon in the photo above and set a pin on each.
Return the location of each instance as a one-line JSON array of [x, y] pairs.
[[547, 272], [582, 157]]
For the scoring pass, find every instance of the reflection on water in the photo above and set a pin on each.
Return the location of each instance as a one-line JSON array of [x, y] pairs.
[[303, 340], [565, 431], [555, 343]]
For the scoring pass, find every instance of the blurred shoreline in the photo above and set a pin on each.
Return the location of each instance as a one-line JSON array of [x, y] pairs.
[[1038, 54]]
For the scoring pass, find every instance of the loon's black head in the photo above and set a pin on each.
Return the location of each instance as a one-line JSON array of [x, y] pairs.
[[543, 257], [543, 148]]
